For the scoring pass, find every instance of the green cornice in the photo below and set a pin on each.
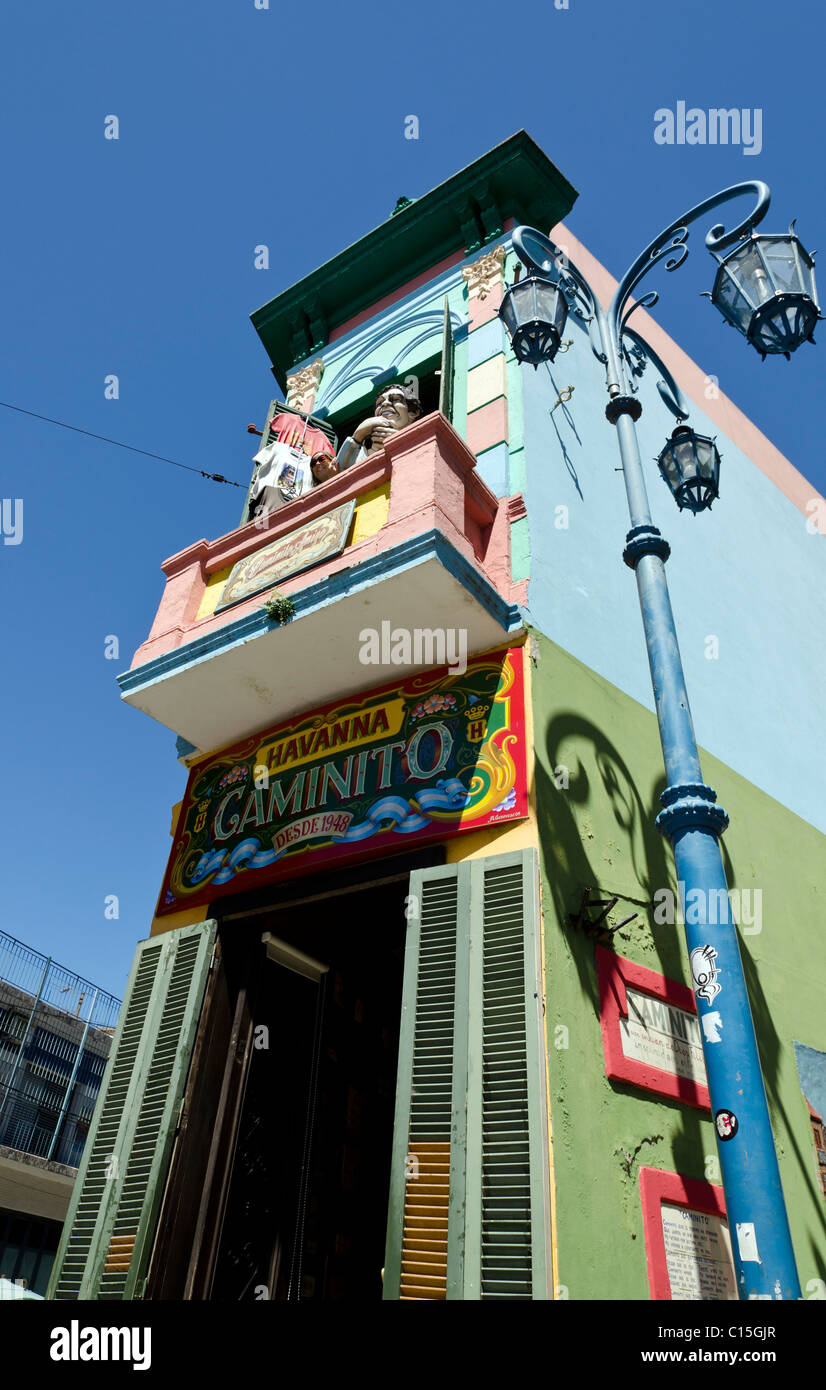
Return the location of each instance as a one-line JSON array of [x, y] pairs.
[[515, 179]]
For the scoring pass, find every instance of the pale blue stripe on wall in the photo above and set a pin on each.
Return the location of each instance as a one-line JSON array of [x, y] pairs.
[[484, 343], [492, 467]]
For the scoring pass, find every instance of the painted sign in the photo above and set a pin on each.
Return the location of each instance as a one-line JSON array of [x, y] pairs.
[[308, 545], [404, 765], [687, 1240], [662, 1035], [697, 1254], [651, 1034]]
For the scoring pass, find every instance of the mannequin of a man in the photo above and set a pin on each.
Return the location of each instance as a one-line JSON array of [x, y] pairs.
[[394, 411]]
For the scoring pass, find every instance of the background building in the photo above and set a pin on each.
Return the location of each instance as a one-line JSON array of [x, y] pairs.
[[415, 995], [55, 1034]]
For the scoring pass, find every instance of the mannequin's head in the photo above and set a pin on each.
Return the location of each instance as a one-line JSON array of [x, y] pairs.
[[397, 407]]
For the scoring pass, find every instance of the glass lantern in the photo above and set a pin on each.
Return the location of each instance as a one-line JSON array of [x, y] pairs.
[[690, 465], [534, 312], [765, 287]]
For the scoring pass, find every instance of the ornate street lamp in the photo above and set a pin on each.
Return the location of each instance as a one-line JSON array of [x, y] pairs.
[[534, 311], [690, 464], [765, 287]]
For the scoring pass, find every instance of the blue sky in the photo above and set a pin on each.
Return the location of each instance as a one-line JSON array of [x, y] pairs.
[[285, 126]]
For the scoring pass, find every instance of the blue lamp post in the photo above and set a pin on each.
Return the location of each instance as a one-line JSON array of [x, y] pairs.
[[765, 288]]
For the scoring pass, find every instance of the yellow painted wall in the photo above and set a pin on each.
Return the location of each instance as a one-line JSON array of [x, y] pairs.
[[523, 834], [213, 591], [368, 518], [370, 514], [486, 382]]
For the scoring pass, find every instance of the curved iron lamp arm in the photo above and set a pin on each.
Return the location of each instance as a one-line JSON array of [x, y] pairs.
[[670, 393], [673, 245], [607, 328]]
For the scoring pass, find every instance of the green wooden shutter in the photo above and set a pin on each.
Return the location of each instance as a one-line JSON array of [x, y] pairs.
[[110, 1225], [469, 1213], [446, 379]]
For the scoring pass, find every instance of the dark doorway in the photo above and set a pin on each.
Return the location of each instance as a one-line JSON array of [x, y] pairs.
[[306, 1206]]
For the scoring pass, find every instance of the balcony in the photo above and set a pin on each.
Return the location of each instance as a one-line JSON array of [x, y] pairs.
[[428, 549]]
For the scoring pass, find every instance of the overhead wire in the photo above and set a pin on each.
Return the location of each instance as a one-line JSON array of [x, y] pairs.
[[213, 477]]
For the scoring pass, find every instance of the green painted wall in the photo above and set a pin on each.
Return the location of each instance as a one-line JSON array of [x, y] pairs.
[[598, 832]]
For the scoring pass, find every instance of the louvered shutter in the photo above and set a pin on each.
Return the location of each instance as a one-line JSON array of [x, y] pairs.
[[110, 1225], [446, 379], [469, 1202]]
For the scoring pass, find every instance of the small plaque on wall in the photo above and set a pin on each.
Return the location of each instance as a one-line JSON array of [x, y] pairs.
[[317, 540], [662, 1035], [650, 1031], [687, 1241]]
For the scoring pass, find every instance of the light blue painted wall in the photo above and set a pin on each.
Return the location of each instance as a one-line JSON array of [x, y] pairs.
[[486, 342], [747, 572], [492, 467]]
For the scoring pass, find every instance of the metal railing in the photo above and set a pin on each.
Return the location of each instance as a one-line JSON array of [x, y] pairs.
[[39, 1112], [47, 1131], [42, 977]]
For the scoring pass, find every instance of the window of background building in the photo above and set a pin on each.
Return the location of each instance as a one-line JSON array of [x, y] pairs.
[[819, 1132]]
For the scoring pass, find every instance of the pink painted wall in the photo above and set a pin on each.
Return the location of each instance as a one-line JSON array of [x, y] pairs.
[[433, 486]]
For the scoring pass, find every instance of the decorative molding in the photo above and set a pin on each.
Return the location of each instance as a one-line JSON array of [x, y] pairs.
[[216, 637], [368, 362], [302, 387], [485, 273], [489, 212], [402, 248], [469, 227], [516, 507]]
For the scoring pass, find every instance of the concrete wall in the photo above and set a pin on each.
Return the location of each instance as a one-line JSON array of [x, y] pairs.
[[34, 1186]]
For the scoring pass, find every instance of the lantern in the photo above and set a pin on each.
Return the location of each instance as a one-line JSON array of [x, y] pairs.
[[690, 465], [534, 311], [765, 286]]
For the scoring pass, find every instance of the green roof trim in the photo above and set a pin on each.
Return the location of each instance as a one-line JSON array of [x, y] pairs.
[[515, 179]]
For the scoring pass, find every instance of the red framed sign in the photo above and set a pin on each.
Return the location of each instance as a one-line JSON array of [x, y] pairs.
[[407, 764], [650, 1031], [687, 1243]]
